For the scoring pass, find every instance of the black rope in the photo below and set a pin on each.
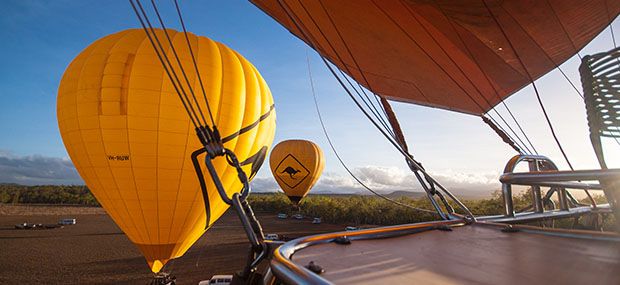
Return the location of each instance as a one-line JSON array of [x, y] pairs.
[[555, 15], [574, 48], [354, 61], [555, 137], [519, 126], [521, 144], [162, 58], [407, 156], [410, 160], [504, 131], [502, 134], [611, 26], [367, 103], [495, 91], [191, 52], [178, 60], [557, 66], [455, 64], [331, 145]]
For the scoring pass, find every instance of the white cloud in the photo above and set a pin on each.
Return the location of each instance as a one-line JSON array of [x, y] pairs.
[[264, 184], [481, 180], [37, 169], [390, 179]]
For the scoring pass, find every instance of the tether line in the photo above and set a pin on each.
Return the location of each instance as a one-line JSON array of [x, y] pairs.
[[191, 52], [331, 145], [178, 60], [163, 59]]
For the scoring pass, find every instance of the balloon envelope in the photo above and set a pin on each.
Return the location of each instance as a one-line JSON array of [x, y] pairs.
[[130, 137], [296, 165], [459, 55]]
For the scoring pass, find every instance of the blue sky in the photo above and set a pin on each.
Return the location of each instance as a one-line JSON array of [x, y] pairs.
[[39, 39]]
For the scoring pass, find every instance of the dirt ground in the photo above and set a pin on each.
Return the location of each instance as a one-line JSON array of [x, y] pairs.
[[95, 250]]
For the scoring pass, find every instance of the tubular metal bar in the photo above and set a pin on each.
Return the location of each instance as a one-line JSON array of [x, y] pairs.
[[535, 162], [238, 201], [547, 215], [580, 234], [287, 271], [536, 194], [560, 176], [570, 185]]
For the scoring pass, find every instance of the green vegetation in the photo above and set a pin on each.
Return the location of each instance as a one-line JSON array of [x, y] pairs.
[[339, 209], [47, 194], [371, 210]]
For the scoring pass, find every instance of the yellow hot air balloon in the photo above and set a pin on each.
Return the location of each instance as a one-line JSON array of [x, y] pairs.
[[130, 138], [296, 166]]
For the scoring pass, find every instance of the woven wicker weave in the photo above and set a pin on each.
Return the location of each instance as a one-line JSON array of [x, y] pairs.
[[600, 77]]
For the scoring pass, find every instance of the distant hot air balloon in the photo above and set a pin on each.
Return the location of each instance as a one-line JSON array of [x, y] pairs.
[[296, 166], [130, 138]]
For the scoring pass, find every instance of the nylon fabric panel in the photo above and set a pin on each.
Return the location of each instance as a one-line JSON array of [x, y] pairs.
[[463, 55], [130, 137]]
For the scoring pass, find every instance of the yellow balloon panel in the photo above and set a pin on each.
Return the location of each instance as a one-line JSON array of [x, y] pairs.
[[296, 165], [131, 139]]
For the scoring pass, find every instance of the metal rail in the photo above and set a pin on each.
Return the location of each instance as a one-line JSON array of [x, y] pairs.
[[547, 215], [559, 176], [544, 173], [285, 270]]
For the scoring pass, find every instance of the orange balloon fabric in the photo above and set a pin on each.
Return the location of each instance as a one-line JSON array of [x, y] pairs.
[[130, 138], [460, 55]]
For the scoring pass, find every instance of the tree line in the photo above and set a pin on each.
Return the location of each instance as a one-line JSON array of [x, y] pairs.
[[47, 194], [372, 210], [369, 210], [338, 209]]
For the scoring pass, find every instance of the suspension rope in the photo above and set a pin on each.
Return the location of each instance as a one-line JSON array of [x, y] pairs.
[[381, 104], [538, 97], [502, 134], [555, 137], [519, 126], [398, 132], [557, 66], [611, 28], [520, 142], [410, 160], [503, 102], [191, 52], [368, 103], [455, 64], [497, 124], [163, 59], [178, 60], [482, 109], [331, 145]]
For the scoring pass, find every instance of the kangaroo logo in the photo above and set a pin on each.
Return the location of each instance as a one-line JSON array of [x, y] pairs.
[[290, 171]]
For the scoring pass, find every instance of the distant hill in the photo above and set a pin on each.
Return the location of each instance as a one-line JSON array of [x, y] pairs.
[[409, 194], [465, 194]]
